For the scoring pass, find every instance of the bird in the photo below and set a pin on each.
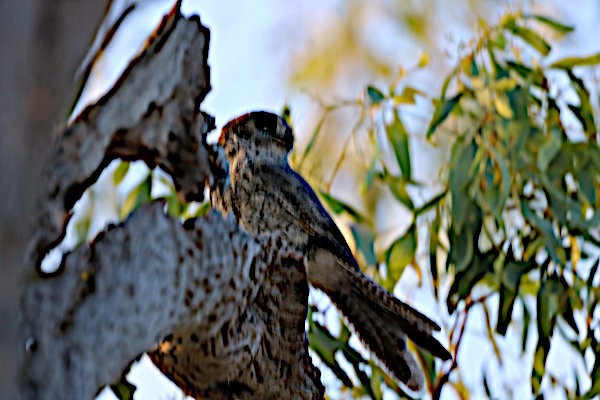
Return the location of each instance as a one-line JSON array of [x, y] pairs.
[[265, 195]]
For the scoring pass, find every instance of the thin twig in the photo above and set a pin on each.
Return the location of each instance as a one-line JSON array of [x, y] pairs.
[[437, 391]]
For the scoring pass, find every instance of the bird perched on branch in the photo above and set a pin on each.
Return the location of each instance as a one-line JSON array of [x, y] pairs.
[[266, 195]]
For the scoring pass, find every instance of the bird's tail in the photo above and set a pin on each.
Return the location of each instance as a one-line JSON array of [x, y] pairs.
[[383, 322]]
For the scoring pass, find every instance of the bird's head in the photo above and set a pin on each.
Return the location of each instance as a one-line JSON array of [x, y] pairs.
[[258, 134]]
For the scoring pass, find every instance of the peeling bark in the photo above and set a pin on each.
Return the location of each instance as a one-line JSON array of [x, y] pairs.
[[151, 114]]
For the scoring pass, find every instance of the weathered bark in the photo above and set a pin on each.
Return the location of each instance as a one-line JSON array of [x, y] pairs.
[[152, 113], [129, 289], [221, 313]]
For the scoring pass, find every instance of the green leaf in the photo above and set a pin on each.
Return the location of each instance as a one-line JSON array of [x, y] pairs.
[[200, 212], [499, 41], [398, 137], [400, 254], [370, 176], [557, 26], [398, 188], [82, 226], [584, 112], [138, 196], [500, 192], [502, 106], [462, 248], [313, 138], [338, 207], [586, 184], [570, 62], [443, 108], [539, 365], [593, 271], [486, 386], [326, 345], [504, 84], [123, 389], [533, 76], [497, 69], [526, 322], [549, 305], [365, 239], [375, 383], [509, 288], [462, 158], [548, 149], [552, 244], [594, 390], [323, 343], [408, 95], [430, 204], [375, 95], [474, 69], [532, 38], [175, 208], [453, 74], [434, 243], [120, 172], [466, 279], [286, 113], [532, 248], [568, 299]]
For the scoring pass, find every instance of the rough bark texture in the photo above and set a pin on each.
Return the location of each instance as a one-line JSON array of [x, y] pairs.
[[152, 114], [221, 312], [122, 294]]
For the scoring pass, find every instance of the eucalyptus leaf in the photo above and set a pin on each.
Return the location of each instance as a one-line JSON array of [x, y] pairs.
[[364, 239], [138, 196], [120, 172], [338, 207], [442, 109], [400, 254], [398, 137], [531, 37], [570, 62], [375, 95], [557, 26]]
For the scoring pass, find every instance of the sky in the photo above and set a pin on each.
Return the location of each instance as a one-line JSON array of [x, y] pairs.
[[253, 51]]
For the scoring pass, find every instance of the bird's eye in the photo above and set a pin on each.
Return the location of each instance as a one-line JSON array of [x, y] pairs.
[[265, 122], [264, 128]]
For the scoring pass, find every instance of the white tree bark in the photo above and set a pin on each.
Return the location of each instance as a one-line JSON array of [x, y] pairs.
[[220, 312]]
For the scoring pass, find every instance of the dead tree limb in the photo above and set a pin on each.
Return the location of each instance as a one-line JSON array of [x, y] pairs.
[[151, 114]]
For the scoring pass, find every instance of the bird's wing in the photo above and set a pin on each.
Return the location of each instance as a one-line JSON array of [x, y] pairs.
[[304, 208]]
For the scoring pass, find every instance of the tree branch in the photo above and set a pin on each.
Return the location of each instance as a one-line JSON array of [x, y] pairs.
[[151, 113], [129, 289]]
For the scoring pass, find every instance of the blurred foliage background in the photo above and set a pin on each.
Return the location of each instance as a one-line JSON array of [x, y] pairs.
[[505, 220], [457, 145]]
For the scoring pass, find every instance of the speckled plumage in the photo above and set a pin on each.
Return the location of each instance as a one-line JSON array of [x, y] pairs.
[[265, 195]]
